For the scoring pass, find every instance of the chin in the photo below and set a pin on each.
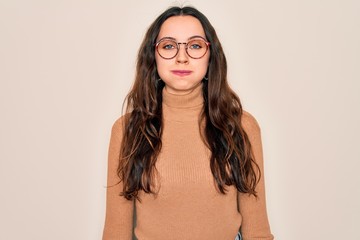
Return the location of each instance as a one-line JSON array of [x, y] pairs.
[[176, 89]]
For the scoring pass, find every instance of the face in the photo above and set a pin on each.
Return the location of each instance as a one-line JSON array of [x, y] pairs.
[[182, 73]]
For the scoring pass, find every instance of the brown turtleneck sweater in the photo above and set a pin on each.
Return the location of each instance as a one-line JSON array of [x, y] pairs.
[[187, 206]]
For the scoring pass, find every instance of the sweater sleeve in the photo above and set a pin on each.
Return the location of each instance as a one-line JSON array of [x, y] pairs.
[[255, 224], [119, 210]]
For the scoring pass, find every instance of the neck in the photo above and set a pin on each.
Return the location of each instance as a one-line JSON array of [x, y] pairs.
[[184, 107]]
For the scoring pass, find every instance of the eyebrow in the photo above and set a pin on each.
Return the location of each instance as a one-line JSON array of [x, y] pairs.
[[195, 36]]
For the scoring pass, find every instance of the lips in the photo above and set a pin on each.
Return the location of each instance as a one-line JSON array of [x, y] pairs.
[[181, 72]]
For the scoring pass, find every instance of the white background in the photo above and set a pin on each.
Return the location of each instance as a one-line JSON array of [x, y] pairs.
[[66, 66]]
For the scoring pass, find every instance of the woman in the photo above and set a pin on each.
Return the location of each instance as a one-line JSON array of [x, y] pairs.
[[185, 156]]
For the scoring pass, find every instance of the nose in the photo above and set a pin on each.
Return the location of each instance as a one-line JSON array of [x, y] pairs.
[[182, 56]]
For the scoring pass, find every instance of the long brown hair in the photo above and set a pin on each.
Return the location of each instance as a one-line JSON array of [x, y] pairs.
[[231, 160]]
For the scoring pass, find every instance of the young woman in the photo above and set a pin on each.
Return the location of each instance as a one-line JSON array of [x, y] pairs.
[[185, 157]]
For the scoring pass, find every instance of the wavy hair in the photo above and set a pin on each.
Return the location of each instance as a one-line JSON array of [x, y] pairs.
[[231, 160]]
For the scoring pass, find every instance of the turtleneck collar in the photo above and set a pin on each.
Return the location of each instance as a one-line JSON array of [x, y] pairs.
[[182, 108], [189, 100]]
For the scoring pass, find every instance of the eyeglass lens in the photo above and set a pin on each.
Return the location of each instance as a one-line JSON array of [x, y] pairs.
[[195, 48]]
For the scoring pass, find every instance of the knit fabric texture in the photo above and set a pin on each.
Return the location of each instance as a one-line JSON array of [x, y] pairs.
[[187, 204]]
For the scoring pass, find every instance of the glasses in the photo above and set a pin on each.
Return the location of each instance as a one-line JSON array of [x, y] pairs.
[[195, 48]]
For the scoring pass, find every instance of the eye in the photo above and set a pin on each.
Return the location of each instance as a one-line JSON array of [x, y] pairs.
[[167, 45], [196, 44]]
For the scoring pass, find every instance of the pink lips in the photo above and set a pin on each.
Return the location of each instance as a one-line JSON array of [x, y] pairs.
[[181, 73]]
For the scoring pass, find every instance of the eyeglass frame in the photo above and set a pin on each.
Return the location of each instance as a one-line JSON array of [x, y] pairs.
[[178, 46]]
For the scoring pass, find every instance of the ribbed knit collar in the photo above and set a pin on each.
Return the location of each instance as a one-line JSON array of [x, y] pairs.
[[183, 108], [189, 100]]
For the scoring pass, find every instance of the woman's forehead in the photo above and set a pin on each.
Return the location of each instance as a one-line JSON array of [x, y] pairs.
[[181, 28]]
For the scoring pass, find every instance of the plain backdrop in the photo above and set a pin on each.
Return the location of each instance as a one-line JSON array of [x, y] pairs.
[[66, 66]]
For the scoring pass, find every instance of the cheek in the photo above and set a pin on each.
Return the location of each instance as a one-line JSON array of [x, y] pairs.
[[205, 64], [159, 65]]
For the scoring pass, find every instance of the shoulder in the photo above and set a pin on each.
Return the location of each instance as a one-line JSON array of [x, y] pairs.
[[119, 123], [118, 126], [249, 123]]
